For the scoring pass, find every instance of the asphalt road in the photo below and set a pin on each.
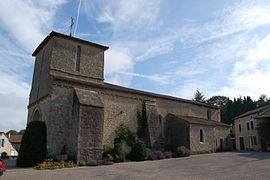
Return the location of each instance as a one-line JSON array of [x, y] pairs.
[[228, 165]]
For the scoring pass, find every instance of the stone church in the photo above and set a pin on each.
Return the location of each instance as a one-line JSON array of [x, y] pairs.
[[82, 112]]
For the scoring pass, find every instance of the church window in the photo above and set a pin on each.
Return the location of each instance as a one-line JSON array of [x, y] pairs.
[[36, 116], [201, 136], [78, 58]]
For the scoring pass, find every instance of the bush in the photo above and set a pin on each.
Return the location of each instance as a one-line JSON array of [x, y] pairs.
[[82, 163], [139, 152], [168, 154], [118, 153], [4, 155], [107, 152], [182, 151], [126, 135], [33, 147]]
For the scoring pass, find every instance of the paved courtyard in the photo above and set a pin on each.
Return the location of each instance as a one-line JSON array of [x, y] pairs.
[[228, 165]]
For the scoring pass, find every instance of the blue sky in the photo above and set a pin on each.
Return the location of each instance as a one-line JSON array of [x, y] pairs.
[[168, 47]]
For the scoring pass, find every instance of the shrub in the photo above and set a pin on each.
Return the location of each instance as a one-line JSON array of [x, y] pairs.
[[118, 153], [33, 146], [82, 163], [139, 152], [126, 135], [4, 155], [107, 152], [182, 151], [168, 154]]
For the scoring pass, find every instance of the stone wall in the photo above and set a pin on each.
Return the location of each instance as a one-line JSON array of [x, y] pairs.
[[208, 145], [64, 58], [176, 133], [61, 120], [90, 133], [212, 136], [246, 133], [41, 84]]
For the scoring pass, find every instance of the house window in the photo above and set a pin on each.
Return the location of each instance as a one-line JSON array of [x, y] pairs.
[[248, 126], [254, 140], [226, 142], [78, 58], [208, 114], [201, 136], [2, 142], [252, 125], [240, 127]]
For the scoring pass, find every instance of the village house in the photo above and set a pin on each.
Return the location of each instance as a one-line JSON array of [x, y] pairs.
[[6, 147], [82, 111], [246, 134]]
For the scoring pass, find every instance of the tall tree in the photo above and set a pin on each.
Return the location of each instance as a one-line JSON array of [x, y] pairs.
[[199, 97], [262, 101], [12, 132], [222, 103]]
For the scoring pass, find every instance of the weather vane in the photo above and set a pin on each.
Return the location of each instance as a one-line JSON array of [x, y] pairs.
[[71, 26]]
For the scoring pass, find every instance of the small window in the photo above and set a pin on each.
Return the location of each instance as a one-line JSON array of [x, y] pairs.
[[226, 142], [254, 140], [240, 127], [78, 58], [2, 142], [252, 125], [248, 126], [201, 136], [208, 114]]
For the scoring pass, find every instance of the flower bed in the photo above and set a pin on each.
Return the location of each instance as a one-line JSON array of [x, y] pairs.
[[55, 165]]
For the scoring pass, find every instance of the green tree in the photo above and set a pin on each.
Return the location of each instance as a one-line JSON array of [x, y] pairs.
[[12, 132], [33, 147], [222, 103], [142, 130], [264, 130], [199, 97], [262, 101], [21, 132]]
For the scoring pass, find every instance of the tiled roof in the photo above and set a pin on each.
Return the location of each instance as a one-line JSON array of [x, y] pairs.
[[201, 121], [257, 111], [15, 138]]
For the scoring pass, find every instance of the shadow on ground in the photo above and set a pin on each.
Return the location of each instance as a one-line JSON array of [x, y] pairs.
[[255, 155]]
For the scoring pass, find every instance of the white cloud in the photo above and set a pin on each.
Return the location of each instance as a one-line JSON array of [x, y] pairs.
[[127, 20], [118, 59], [251, 75], [28, 21], [125, 14], [160, 79], [23, 25]]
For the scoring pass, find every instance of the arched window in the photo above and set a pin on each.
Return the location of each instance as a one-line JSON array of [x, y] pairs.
[[36, 116], [201, 136]]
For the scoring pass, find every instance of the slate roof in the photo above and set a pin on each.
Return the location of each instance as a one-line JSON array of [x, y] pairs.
[[16, 138], [200, 121], [89, 98]]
